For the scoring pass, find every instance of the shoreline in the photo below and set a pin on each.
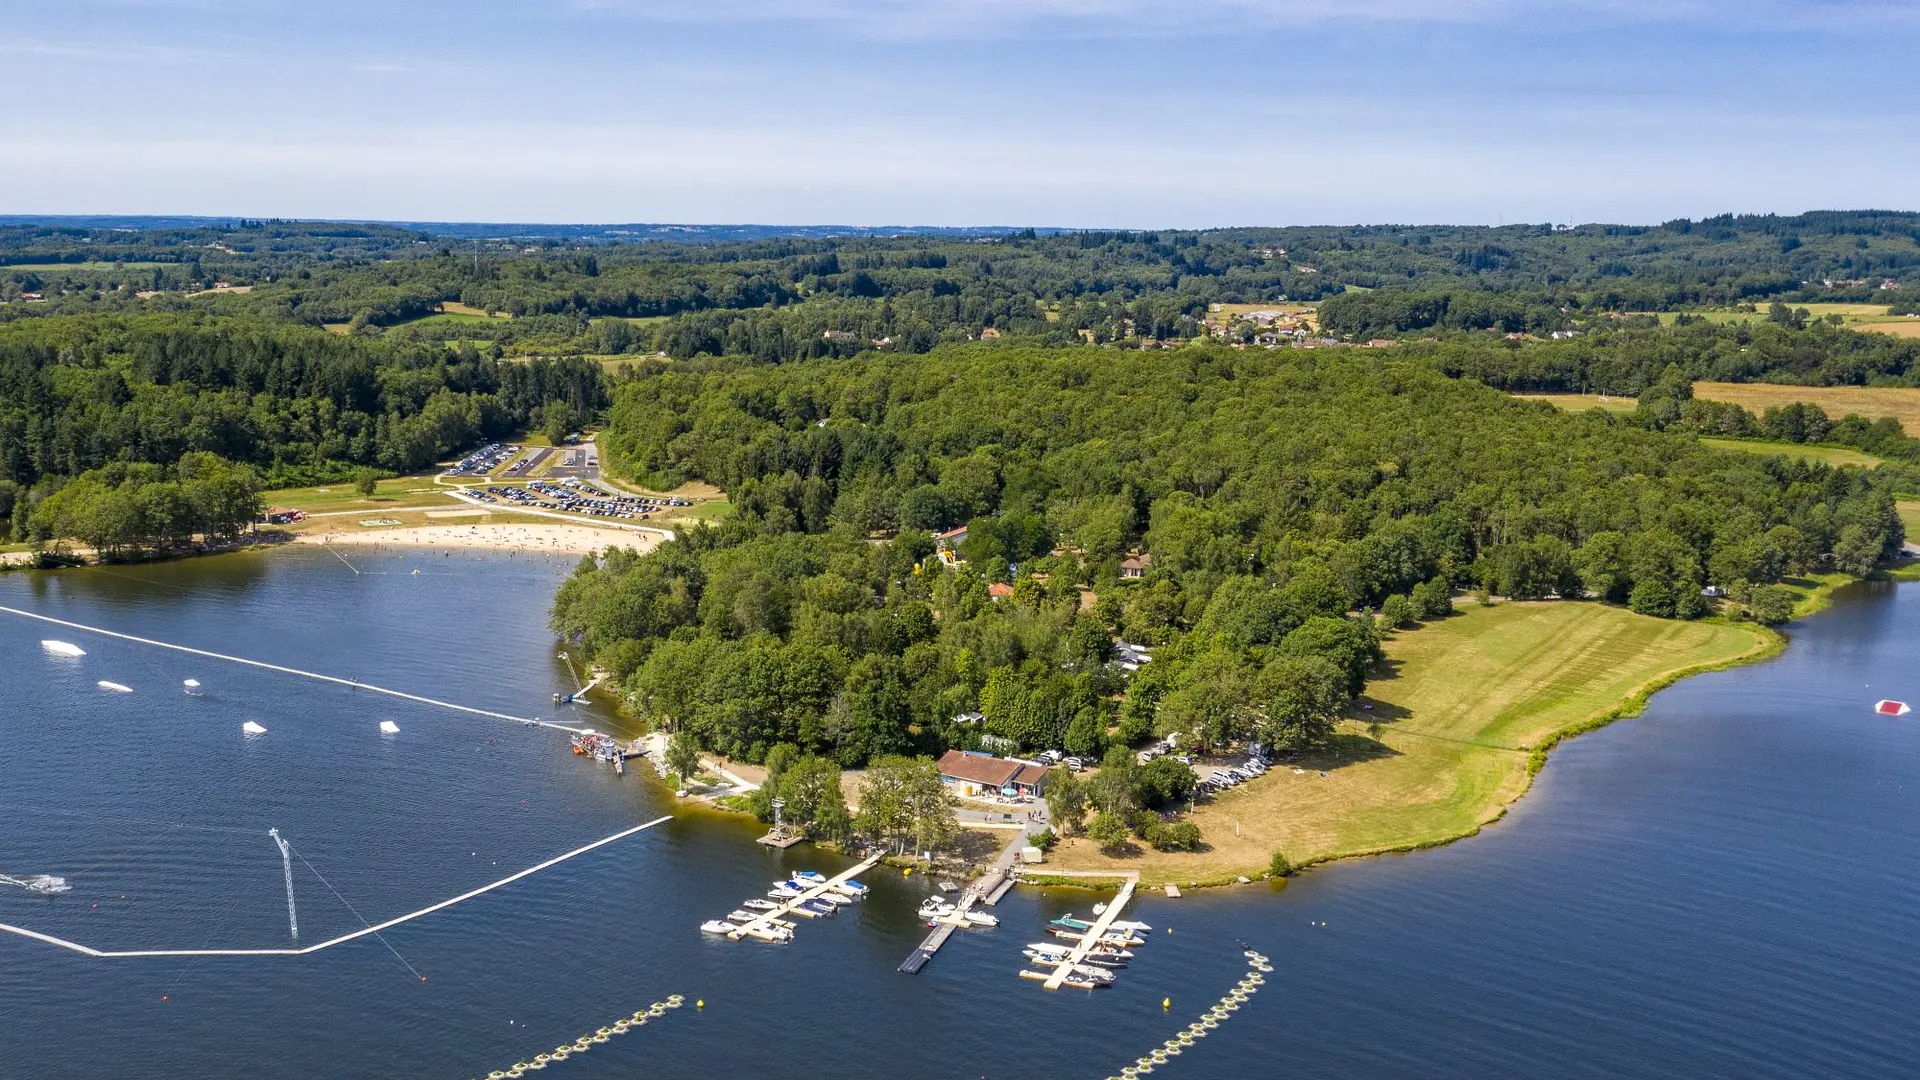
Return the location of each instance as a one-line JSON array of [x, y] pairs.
[[559, 537], [1769, 643]]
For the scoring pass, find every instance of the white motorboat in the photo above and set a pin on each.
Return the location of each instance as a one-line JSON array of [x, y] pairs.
[[63, 648], [763, 932], [1130, 927], [784, 891], [739, 916], [118, 688], [1080, 971], [718, 926], [981, 918], [835, 898], [757, 904], [852, 888], [810, 877], [935, 908]]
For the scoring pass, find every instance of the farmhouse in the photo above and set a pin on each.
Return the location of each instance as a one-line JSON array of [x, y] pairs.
[[1134, 567]]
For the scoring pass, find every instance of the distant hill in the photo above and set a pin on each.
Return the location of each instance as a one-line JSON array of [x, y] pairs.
[[569, 233]]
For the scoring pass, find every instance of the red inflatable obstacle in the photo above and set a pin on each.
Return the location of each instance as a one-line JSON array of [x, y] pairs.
[[1891, 708]]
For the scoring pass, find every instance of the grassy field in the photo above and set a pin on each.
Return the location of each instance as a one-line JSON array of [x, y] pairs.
[[1898, 326], [1831, 455], [1578, 402], [1873, 402], [1223, 314], [1463, 704], [95, 266], [397, 493]]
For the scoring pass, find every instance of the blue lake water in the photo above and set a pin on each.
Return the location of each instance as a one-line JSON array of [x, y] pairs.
[[1723, 887]]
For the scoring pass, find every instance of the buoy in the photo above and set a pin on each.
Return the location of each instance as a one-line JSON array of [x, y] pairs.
[[1166, 1003], [700, 1004], [163, 997]]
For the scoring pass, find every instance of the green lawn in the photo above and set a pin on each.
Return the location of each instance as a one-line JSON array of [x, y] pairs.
[[1831, 455], [1463, 704], [1613, 403], [397, 493]]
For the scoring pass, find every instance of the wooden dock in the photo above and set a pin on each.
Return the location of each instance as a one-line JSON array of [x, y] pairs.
[[792, 907], [947, 924], [1092, 937]]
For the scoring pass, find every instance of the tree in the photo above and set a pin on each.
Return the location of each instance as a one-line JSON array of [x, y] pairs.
[[810, 789], [1109, 830], [1300, 699], [1115, 788], [1173, 836], [1770, 605], [683, 755], [1066, 801], [1164, 782], [1432, 599], [1398, 611], [366, 481]]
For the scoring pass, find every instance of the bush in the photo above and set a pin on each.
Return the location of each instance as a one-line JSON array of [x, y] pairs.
[[1165, 781], [1433, 599], [1173, 836], [1142, 822], [1397, 611], [1652, 597], [1279, 866]]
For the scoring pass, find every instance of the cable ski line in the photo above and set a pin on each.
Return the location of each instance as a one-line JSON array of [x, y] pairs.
[[381, 938], [294, 671], [375, 929]]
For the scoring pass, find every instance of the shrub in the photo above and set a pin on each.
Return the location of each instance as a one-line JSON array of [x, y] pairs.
[[1433, 599], [1770, 605], [1279, 866], [1107, 830], [1397, 611], [1173, 836], [1142, 822]]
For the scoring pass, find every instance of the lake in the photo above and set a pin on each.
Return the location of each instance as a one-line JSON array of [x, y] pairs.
[[1723, 887]]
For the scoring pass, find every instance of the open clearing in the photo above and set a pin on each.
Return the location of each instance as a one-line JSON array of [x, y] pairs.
[[1223, 314], [94, 267], [1460, 705], [1831, 455], [1577, 402], [394, 494]]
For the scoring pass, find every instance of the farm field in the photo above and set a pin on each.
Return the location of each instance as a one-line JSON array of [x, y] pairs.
[[1873, 402], [1830, 455], [1458, 709]]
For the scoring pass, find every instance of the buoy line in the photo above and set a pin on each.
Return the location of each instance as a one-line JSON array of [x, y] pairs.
[[598, 1037], [1209, 1022], [121, 954], [295, 671]]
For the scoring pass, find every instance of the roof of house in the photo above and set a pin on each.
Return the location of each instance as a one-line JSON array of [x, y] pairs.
[[999, 589], [1136, 562], [978, 768], [1030, 775], [951, 533]]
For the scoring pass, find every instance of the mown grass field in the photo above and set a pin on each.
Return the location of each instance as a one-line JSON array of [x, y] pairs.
[[393, 494], [1831, 455], [1462, 704]]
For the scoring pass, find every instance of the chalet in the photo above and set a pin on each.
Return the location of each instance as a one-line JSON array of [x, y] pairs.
[[1134, 567], [975, 774], [837, 335]]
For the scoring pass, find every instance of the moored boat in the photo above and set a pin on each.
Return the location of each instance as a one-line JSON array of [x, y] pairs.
[[852, 888], [763, 932], [717, 926], [738, 916], [1069, 922], [819, 907], [810, 877], [784, 890], [757, 904]]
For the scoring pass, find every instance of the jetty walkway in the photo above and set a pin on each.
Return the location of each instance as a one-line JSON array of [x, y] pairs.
[[792, 907]]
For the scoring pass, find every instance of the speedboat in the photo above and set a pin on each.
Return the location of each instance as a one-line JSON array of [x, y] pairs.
[[757, 904], [1070, 923], [799, 886], [819, 907], [935, 908], [1130, 927], [1079, 971], [852, 888], [834, 898], [1109, 952], [810, 877], [784, 890], [718, 926], [981, 918], [763, 932], [1052, 948], [739, 916]]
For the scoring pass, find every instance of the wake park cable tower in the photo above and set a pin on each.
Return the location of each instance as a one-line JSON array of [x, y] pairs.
[[286, 867]]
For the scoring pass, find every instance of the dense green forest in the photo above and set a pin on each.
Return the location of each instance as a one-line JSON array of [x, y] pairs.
[[794, 298], [1276, 493]]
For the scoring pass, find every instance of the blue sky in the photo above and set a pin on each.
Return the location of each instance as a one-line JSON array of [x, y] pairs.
[[1094, 113]]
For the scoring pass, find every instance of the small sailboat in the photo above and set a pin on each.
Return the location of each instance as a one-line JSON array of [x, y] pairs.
[[62, 648], [388, 727], [118, 688], [253, 728]]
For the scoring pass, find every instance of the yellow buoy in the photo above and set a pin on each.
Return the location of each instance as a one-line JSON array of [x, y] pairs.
[[1166, 1003], [700, 1004]]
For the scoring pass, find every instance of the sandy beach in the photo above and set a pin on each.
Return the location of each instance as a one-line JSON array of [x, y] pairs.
[[571, 539]]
